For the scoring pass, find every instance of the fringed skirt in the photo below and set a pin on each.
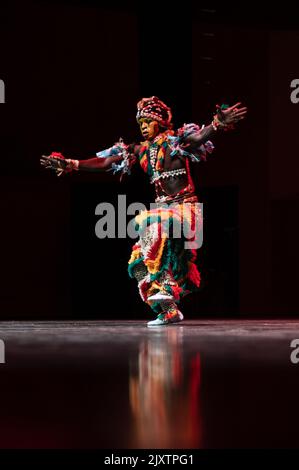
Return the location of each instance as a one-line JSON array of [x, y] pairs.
[[163, 259]]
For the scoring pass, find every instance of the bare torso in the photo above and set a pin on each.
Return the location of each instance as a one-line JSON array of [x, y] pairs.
[[171, 186]]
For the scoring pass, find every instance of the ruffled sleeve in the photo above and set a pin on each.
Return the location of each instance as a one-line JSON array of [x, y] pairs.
[[119, 149], [178, 145]]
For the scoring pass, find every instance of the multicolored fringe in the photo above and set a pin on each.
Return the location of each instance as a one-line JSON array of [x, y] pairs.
[[170, 267], [177, 146], [165, 140], [119, 149], [162, 143]]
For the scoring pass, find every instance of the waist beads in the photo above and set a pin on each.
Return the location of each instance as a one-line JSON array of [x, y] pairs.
[[168, 174]]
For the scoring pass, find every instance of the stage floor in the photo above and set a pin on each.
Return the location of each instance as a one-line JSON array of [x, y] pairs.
[[113, 385]]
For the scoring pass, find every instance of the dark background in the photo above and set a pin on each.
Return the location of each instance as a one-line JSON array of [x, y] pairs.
[[73, 73]]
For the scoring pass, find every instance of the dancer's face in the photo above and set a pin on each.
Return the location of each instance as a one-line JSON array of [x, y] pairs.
[[149, 128]]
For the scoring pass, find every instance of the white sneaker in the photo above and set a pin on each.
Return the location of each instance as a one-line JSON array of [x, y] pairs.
[[159, 297], [161, 321]]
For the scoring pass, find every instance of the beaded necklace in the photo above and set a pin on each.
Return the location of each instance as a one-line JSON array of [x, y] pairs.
[[153, 151], [152, 154]]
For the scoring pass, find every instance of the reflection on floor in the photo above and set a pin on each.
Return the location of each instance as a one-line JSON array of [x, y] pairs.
[[100, 384], [164, 393]]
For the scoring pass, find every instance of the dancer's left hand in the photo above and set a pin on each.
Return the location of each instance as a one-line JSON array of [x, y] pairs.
[[232, 114]]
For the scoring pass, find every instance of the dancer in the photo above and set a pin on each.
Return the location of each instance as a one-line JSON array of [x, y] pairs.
[[162, 262]]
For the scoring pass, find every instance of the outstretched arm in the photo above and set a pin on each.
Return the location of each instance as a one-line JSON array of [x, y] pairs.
[[200, 137], [118, 157], [223, 119], [98, 164], [65, 165]]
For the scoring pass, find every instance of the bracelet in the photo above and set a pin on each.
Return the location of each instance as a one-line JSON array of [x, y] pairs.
[[216, 123], [72, 164], [213, 124]]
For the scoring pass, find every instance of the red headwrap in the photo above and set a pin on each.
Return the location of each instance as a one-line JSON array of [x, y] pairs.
[[155, 109]]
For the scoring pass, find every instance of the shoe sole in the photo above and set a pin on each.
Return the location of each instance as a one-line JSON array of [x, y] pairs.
[[171, 322], [159, 298]]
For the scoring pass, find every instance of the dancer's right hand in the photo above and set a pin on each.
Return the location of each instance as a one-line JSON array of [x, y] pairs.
[[55, 161]]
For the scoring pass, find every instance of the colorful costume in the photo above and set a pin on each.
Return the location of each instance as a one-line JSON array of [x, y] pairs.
[[162, 261], [164, 269]]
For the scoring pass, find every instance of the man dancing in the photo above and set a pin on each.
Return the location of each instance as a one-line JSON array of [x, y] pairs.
[[161, 263]]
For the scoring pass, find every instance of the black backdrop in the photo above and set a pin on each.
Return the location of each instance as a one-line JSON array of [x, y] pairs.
[[73, 73]]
